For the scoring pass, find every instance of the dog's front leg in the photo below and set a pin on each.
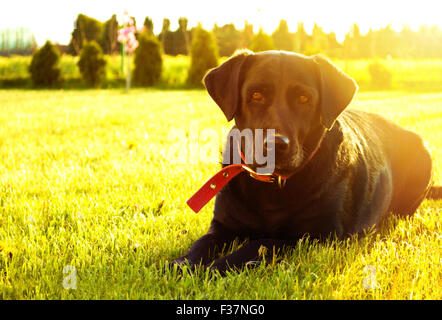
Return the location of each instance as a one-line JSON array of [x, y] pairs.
[[203, 250], [251, 254]]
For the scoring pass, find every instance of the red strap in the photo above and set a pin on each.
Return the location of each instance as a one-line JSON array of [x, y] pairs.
[[213, 186], [219, 180]]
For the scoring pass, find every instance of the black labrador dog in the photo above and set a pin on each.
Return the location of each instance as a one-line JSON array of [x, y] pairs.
[[363, 167]]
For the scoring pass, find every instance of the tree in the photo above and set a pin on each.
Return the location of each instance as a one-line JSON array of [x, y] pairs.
[[181, 37], [247, 35], [352, 42], [165, 36], [148, 25], [86, 29], [44, 68], [301, 38], [203, 55], [319, 41], [262, 42], [408, 42], [92, 64], [282, 38], [386, 42], [175, 42], [108, 41], [227, 38], [334, 48], [148, 60]]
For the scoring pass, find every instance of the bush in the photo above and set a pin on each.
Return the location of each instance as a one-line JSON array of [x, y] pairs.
[[92, 64], [44, 67], [380, 76], [203, 55], [261, 42], [148, 61]]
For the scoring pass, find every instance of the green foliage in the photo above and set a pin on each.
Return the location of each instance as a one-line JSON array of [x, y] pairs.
[[282, 38], [387, 43], [17, 41], [165, 36], [182, 37], [148, 25], [204, 56], [382, 43], [109, 37], [318, 41], [44, 67], [261, 42], [408, 74], [92, 64], [148, 61], [301, 38], [381, 77], [96, 190], [175, 42], [86, 29], [228, 39], [246, 35]]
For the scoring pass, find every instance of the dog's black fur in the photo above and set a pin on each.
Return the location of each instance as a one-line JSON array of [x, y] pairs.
[[365, 167]]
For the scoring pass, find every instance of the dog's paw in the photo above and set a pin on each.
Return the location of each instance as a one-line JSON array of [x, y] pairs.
[[222, 266], [182, 264], [252, 263], [181, 261]]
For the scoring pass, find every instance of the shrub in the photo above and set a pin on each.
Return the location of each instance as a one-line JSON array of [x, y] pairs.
[[148, 61], [203, 55], [261, 42], [44, 67], [380, 76], [92, 64]]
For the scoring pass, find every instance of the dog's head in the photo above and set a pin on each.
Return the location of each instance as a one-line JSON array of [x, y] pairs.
[[298, 96]]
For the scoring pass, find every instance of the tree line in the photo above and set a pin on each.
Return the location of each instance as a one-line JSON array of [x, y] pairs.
[[426, 42], [18, 41], [147, 68]]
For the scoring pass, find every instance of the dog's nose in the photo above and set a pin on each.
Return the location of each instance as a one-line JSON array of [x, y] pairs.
[[280, 142]]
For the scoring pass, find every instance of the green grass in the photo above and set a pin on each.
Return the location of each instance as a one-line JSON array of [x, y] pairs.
[[407, 75], [423, 75], [85, 180]]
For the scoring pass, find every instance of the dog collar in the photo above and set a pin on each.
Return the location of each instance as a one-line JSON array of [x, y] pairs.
[[220, 179]]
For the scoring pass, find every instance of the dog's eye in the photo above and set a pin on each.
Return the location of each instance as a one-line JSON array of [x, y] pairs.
[[303, 99], [257, 96]]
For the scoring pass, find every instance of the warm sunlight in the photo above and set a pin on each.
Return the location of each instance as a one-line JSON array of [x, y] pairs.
[[238, 151], [55, 18]]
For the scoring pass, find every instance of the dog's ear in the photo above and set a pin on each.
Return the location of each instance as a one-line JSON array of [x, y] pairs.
[[222, 83], [337, 90]]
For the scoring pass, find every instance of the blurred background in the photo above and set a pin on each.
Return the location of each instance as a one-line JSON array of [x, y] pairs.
[[384, 45], [98, 100]]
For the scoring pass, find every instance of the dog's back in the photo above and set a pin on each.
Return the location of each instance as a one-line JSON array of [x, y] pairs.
[[405, 153], [344, 170]]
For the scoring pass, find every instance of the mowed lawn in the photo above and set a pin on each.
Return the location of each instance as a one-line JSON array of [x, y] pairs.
[[93, 187]]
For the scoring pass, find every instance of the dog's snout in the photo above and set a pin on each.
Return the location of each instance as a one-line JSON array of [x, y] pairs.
[[280, 142]]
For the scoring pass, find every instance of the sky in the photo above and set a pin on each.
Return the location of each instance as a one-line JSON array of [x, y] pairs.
[[54, 19]]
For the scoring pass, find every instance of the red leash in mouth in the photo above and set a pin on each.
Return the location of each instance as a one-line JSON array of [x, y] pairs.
[[222, 177]]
